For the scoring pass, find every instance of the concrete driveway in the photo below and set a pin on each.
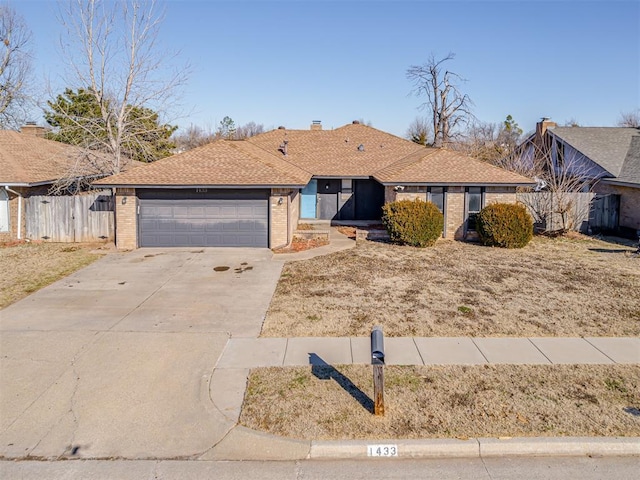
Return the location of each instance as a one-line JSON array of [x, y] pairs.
[[116, 360]]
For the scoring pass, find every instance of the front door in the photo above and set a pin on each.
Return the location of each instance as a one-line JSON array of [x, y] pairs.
[[309, 199], [369, 199], [328, 190]]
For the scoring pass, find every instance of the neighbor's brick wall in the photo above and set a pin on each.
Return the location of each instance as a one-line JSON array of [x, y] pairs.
[[500, 195], [629, 203], [126, 219], [455, 212], [279, 218]]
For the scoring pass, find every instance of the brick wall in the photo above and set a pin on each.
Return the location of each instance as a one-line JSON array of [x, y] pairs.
[[279, 217], [126, 219], [454, 217], [294, 212], [500, 195], [629, 203], [412, 196]]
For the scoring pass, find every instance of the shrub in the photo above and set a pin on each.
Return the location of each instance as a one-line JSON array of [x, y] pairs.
[[414, 223], [506, 225]]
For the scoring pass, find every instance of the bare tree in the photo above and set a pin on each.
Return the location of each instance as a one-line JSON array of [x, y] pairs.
[[481, 141], [449, 107], [419, 131], [488, 141], [630, 119], [193, 137], [555, 203], [113, 55], [249, 130], [15, 68]]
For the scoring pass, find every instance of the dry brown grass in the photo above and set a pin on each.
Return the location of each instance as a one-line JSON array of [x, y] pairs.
[[29, 267], [552, 287], [447, 401]]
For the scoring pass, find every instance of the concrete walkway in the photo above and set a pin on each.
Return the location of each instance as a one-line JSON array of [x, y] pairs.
[[271, 352], [337, 243]]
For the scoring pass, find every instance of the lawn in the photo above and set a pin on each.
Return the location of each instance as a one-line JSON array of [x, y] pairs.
[[29, 267], [553, 287], [446, 401]]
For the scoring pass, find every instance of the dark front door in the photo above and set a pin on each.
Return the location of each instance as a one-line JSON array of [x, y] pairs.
[[369, 199], [328, 190]]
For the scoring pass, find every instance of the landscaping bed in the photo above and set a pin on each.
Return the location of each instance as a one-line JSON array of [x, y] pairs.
[[445, 401], [553, 287], [27, 267]]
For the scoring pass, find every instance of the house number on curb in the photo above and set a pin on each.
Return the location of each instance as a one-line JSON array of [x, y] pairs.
[[382, 450]]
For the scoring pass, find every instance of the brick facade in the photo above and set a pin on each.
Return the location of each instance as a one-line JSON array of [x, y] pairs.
[[454, 215], [126, 219], [500, 195], [629, 203], [279, 217], [454, 203], [294, 212]]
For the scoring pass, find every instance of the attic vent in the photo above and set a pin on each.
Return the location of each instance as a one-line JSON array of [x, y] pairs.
[[361, 148], [283, 147], [281, 127], [356, 122]]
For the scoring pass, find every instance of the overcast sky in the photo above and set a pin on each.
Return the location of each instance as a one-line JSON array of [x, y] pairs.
[[291, 62]]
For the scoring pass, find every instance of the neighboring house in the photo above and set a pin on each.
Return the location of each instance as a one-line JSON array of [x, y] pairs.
[[608, 157], [253, 192], [29, 166]]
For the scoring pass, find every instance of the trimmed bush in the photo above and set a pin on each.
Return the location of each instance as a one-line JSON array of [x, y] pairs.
[[414, 223], [506, 225]]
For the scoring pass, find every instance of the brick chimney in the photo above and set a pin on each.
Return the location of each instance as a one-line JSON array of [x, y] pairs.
[[542, 144], [316, 125], [542, 125], [32, 129]]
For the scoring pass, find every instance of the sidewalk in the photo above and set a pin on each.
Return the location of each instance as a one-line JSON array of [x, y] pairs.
[[242, 354], [271, 352]]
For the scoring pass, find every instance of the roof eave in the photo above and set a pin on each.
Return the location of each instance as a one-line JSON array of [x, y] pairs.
[[458, 184], [623, 183], [221, 186]]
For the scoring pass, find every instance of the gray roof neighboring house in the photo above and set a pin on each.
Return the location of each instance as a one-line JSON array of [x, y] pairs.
[[609, 147], [630, 172]]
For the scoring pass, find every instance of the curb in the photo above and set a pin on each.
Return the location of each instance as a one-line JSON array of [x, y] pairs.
[[483, 447]]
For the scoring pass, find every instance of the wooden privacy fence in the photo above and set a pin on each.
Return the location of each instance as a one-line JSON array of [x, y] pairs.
[[579, 211], [79, 218]]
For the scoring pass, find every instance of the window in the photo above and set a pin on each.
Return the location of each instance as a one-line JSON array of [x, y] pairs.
[[4, 211], [436, 196], [473, 206]]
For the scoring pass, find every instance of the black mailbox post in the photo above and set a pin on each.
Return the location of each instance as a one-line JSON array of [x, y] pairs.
[[377, 360], [377, 346]]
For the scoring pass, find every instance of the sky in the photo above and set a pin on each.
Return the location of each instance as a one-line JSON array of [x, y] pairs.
[[291, 62]]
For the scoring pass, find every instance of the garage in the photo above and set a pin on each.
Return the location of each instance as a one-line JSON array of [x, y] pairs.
[[201, 217]]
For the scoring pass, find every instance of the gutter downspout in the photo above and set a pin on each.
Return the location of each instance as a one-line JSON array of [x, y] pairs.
[[6, 187]]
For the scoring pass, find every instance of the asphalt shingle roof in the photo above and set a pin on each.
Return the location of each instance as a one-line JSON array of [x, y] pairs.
[[221, 162], [28, 160], [439, 166], [606, 146], [630, 172], [354, 150], [336, 153]]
